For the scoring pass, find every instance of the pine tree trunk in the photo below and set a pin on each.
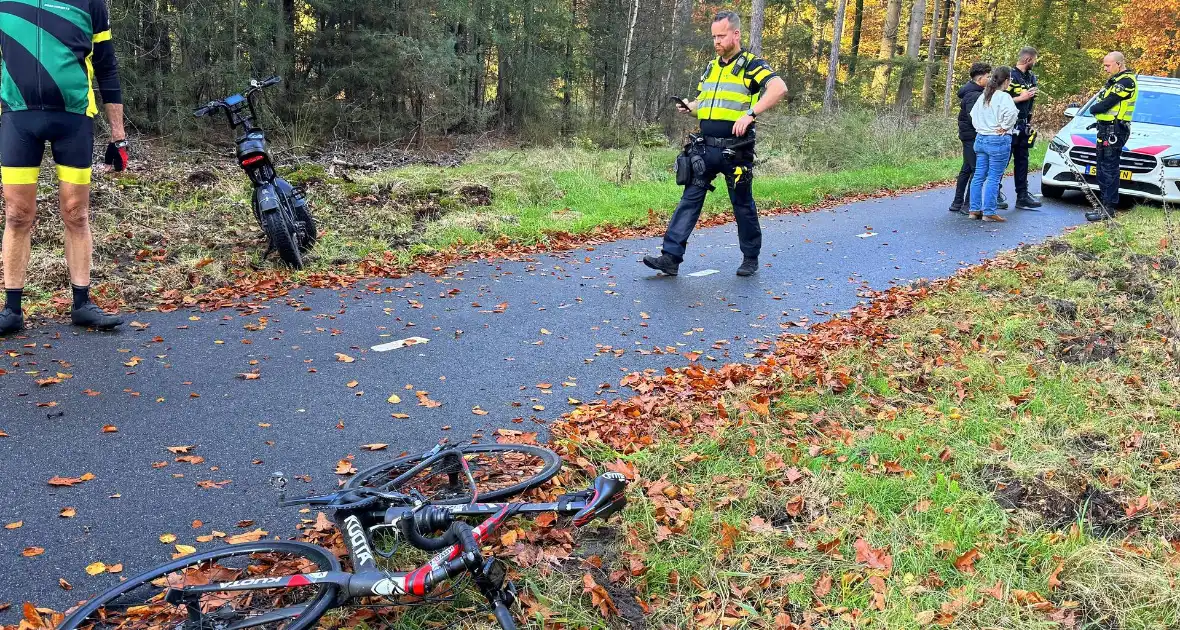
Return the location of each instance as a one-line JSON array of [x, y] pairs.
[[856, 27], [950, 60], [626, 62], [888, 45], [913, 50], [757, 15], [931, 56], [834, 57]]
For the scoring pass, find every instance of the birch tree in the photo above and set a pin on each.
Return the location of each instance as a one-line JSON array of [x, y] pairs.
[[950, 60], [834, 57], [913, 50], [626, 62], [888, 45], [931, 55], [757, 15]]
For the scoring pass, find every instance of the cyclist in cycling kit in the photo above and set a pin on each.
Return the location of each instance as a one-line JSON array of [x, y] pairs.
[[55, 53]]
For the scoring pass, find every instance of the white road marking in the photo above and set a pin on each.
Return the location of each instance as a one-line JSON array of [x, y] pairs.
[[400, 343], [703, 272]]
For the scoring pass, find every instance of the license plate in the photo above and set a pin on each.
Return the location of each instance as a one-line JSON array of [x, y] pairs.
[[1093, 170]]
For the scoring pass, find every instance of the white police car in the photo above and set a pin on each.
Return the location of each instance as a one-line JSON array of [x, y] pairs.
[[1151, 159]]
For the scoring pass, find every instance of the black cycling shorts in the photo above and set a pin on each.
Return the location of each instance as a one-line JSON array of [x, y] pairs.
[[23, 135]]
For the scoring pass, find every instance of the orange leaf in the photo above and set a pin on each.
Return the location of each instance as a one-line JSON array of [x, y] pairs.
[[249, 376], [29, 552], [598, 596], [1054, 581], [14, 525], [253, 536], [966, 562], [874, 558], [823, 586]]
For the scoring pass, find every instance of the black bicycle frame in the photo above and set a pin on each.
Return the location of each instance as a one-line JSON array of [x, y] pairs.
[[368, 579]]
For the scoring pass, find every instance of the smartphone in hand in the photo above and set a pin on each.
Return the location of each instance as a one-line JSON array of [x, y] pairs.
[[681, 104]]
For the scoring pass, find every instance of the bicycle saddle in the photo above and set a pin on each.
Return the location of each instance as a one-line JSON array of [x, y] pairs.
[[610, 495]]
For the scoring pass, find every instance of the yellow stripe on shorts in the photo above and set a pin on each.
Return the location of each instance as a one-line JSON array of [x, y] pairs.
[[74, 175], [19, 174]]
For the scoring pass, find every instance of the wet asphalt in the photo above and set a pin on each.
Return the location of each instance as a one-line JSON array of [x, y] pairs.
[[578, 321]]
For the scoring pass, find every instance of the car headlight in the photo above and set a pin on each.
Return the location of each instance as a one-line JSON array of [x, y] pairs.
[[1172, 161], [1059, 147]]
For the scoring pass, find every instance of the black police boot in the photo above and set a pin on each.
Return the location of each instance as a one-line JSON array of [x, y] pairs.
[[748, 268], [10, 321], [1100, 215], [662, 263], [956, 207], [90, 316], [1001, 201], [1027, 202]]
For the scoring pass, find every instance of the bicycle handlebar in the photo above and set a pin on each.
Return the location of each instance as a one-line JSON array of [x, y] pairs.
[[255, 85]]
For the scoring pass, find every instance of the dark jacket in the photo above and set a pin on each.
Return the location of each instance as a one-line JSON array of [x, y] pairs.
[[968, 94]]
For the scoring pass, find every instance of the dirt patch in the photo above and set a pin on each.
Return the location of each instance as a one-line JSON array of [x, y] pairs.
[[1088, 348], [1092, 442], [603, 543], [1060, 501], [1065, 309], [476, 195], [1057, 246]]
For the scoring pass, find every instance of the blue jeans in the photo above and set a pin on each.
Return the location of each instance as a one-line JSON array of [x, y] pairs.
[[991, 158]]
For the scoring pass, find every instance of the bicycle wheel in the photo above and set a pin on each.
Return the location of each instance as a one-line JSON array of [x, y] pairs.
[[500, 471], [282, 238], [139, 602]]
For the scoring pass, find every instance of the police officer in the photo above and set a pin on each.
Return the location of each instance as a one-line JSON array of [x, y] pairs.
[[1116, 104], [727, 105], [1024, 92]]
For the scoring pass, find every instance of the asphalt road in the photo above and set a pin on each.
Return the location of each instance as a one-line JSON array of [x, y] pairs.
[[584, 318]]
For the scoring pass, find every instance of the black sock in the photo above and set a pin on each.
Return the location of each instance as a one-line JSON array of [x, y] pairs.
[[81, 295], [12, 299]]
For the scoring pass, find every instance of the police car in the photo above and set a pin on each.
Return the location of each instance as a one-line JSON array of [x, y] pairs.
[[1150, 161]]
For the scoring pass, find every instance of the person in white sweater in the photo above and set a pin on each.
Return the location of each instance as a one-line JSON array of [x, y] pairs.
[[994, 116]]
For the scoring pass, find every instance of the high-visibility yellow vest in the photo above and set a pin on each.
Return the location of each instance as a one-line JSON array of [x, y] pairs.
[[727, 92], [1125, 107]]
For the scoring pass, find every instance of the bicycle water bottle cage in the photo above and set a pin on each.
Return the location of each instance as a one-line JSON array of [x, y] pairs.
[[609, 497]]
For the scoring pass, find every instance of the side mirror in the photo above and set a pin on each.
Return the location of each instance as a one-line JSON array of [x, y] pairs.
[[1072, 111]]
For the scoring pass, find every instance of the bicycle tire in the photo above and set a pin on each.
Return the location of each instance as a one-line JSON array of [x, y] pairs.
[[309, 235], [380, 475], [324, 561], [282, 238]]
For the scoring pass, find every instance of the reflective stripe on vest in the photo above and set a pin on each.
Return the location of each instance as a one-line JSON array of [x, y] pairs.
[[1126, 107], [725, 96]]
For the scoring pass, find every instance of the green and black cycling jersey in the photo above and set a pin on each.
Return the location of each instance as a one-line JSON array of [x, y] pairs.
[[53, 53]]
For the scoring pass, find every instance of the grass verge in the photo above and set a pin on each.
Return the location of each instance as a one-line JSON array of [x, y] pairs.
[[1002, 455], [184, 234]]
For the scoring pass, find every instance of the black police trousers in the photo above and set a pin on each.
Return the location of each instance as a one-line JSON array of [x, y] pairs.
[[1020, 163], [1111, 139], [741, 195]]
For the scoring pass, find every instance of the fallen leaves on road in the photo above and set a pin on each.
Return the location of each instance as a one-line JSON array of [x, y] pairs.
[[70, 481], [252, 536], [95, 568], [344, 358], [29, 552], [68, 512], [15, 525]]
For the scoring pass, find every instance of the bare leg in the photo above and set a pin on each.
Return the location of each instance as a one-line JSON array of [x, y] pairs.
[[75, 213], [20, 214]]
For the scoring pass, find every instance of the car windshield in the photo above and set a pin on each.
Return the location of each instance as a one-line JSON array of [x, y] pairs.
[[1157, 108]]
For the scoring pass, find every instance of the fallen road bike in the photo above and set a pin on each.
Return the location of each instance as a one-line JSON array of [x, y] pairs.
[[290, 585]]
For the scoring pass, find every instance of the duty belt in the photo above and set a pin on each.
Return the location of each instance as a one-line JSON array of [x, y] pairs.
[[727, 143]]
